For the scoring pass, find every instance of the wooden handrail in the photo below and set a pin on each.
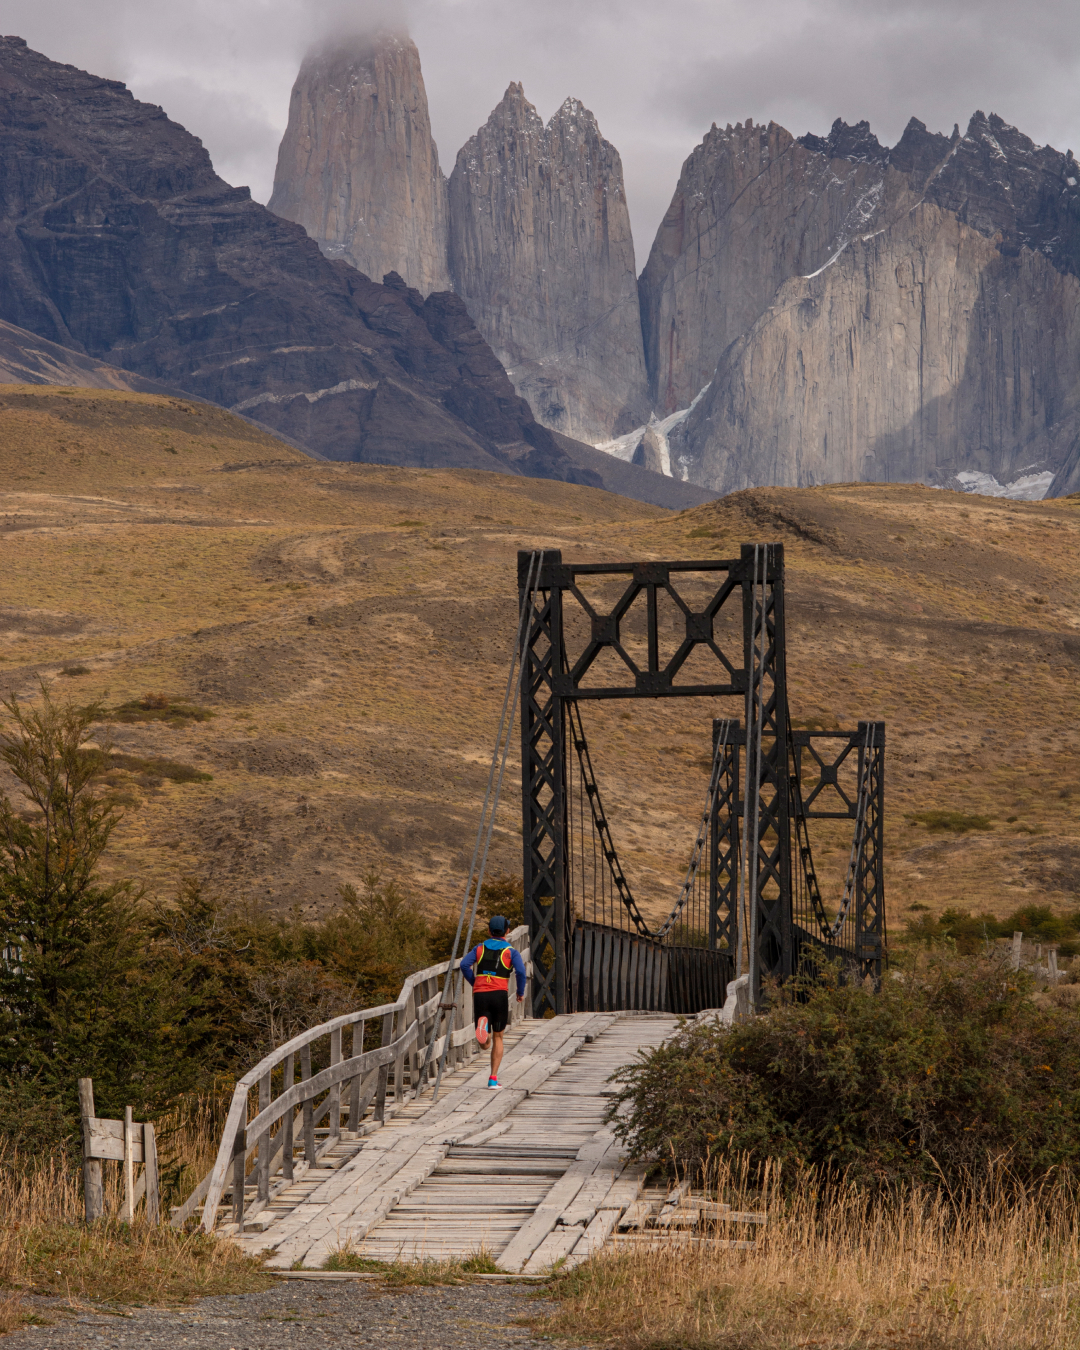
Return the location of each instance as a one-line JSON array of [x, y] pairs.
[[241, 1136]]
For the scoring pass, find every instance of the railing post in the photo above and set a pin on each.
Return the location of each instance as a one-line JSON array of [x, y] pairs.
[[288, 1074], [129, 1168], [354, 1083], [384, 1070], [309, 1107], [335, 1091], [264, 1141], [239, 1173], [404, 1020]]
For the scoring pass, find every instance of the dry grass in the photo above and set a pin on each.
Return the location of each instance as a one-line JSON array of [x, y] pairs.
[[842, 1272], [449, 1271], [355, 664], [46, 1250]]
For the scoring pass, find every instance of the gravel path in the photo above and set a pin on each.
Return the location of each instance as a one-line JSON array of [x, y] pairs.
[[298, 1314]]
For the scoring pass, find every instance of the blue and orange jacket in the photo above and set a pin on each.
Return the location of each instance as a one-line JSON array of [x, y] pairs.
[[488, 967]]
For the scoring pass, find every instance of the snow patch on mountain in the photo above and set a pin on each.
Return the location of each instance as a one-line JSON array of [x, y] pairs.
[[1030, 487], [625, 447]]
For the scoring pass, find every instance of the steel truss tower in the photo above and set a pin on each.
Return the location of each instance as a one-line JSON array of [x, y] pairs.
[[595, 631]]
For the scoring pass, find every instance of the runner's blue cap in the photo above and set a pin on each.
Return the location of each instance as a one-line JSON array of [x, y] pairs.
[[497, 925]]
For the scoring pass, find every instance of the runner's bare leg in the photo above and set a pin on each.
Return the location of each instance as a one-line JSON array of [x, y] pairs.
[[496, 1052]]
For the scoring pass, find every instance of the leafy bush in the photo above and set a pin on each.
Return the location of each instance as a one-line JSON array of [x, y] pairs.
[[971, 932], [920, 1082]]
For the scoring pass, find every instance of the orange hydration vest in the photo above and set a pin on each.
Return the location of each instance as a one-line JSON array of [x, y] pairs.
[[492, 968]]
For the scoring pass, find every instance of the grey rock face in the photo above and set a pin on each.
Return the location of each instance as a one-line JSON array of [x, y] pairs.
[[920, 352], [541, 253], [357, 167], [753, 206], [878, 314]]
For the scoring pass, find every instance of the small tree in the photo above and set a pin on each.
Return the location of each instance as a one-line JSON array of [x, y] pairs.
[[76, 995], [52, 909]]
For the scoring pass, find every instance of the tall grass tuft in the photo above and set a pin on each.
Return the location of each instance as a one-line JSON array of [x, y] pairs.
[[47, 1250], [838, 1266]]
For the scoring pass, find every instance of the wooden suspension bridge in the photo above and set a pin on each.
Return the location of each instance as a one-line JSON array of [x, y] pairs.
[[375, 1133]]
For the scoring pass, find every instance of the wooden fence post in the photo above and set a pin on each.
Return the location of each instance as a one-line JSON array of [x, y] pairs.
[[150, 1174], [93, 1193], [239, 1173], [1017, 942], [354, 1083], [129, 1168], [404, 1022], [335, 1091], [263, 1192]]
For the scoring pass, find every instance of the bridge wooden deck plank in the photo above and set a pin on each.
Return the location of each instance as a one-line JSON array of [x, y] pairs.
[[402, 1196]]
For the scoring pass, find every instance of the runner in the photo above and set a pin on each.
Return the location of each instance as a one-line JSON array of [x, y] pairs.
[[487, 968]]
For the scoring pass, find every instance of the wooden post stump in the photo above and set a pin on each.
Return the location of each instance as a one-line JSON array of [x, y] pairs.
[[93, 1192]]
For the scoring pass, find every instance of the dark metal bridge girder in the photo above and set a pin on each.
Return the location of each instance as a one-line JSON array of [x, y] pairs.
[[554, 678]]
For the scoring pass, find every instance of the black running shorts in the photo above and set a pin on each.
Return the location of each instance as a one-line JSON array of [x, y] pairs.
[[494, 1004]]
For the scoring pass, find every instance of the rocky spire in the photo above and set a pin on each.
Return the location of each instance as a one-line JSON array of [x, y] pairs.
[[357, 167], [541, 252]]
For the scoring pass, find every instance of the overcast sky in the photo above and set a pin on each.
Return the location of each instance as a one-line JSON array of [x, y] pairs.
[[655, 72]]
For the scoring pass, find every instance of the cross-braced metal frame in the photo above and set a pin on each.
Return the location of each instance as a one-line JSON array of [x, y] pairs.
[[557, 672], [853, 930], [769, 916]]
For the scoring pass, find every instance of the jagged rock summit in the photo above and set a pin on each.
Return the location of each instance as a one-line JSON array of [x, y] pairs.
[[118, 241], [532, 231], [542, 254], [358, 167], [839, 310]]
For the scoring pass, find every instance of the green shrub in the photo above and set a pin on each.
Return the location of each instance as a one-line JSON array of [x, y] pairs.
[[952, 822], [923, 1081], [970, 933], [159, 708]]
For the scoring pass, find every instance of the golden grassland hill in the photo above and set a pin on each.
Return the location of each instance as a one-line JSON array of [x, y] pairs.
[[329, 643]]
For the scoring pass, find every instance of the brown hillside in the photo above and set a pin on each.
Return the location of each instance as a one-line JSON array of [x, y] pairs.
[[349, 629]]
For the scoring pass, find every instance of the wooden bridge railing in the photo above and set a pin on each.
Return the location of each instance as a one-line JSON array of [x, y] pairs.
[[270, 1094]]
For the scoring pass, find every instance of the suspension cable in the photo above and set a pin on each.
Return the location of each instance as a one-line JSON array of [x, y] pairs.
[[487, 822], [601, 827], [753, 762]]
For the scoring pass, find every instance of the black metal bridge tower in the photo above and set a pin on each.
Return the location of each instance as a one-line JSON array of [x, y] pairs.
[[595, 631]]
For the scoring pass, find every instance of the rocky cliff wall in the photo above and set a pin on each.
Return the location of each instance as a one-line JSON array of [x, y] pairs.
[[753, 207], [358, 168], [864, 312], [920, 351], [542, 254]]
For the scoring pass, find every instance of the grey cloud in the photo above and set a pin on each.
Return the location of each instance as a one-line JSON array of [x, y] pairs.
[[655, 75]]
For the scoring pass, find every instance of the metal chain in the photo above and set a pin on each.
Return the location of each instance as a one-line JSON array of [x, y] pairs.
[[859, 838], [614, 866]]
